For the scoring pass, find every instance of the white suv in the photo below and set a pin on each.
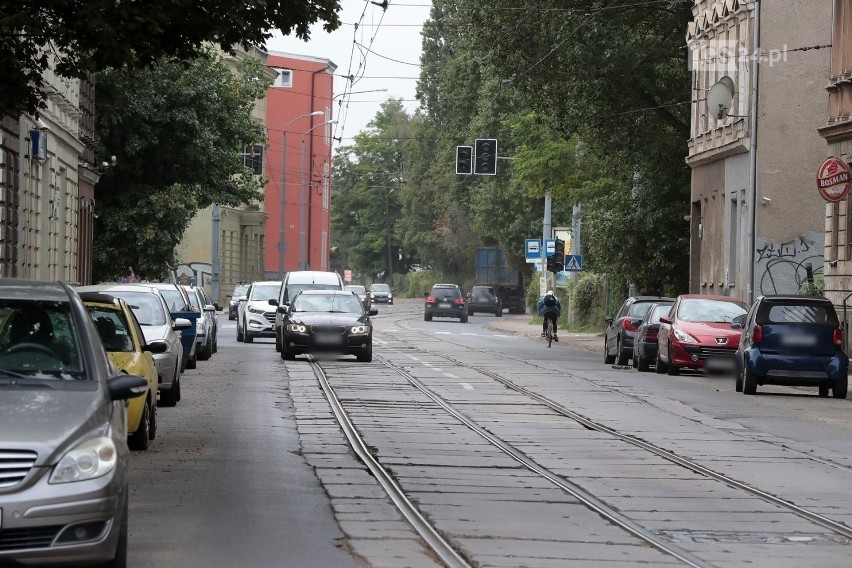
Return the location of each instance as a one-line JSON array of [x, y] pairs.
[[256, 317]]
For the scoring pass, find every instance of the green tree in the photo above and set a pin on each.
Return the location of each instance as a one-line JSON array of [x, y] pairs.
[[177, 130], [76, 38]]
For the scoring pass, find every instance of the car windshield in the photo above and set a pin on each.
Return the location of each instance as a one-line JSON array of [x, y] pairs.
[[705, 310], [174, 299], [335, 303], [798, 313], [293, 289], [113, 328], [639, 309], [146, 306], [482, 294], [240, 291], [380, 288], [39, 340], [263, 292], [446, 292], [659, 312], [357, 289]]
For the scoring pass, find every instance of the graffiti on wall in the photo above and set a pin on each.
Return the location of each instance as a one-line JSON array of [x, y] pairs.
[[782, 268], [193, 273]]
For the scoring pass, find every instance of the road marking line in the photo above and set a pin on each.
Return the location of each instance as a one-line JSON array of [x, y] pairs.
[[443, 333], [474, 334], [466, 386], [412, 357], [452, 376]]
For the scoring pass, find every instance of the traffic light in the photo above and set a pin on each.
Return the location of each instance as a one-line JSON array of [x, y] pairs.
[[558, 256], [550, 264], [486, 156], [464, 160]]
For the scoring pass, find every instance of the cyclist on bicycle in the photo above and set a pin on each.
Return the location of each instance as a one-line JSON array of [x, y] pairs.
[[549, 307]]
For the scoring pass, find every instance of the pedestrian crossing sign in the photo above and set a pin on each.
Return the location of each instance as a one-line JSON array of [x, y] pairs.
[[573, 263]]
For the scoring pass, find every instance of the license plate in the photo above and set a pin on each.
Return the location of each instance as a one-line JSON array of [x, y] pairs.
[[720, 364], [327, 339], [445, 306], [799, 340]]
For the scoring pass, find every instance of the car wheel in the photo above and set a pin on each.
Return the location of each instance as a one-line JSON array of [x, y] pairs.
[[749, 382], [277, 343], [463, 319], [119, 560], [169, 397], [390, 302], [206, 352], [231, 317], [471, 312], [139, 439], [366, 355], [623, 358], [216, 342], [193, 362], [738, 381], [499, 313], [642, 364], [153, 428], [840, 388], [427, 317], [823, 391], [608, 359], [239, 333], [247, 337]]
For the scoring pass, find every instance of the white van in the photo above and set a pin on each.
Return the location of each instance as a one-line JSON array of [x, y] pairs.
[[295, 282]]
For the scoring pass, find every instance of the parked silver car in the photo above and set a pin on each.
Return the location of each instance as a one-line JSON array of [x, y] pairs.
[[157, 325], [206, 327], [361, 292], [63, 432]]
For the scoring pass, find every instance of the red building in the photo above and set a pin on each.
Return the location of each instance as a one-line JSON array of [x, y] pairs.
[[298, 116]]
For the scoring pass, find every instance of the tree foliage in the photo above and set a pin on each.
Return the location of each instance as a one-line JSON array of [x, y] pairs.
[[76, 37], [176, 131]]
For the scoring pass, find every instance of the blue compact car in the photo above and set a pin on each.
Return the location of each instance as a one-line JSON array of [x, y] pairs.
[[792, 341]]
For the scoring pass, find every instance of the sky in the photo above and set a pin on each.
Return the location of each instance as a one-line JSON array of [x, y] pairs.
[[393, 34]]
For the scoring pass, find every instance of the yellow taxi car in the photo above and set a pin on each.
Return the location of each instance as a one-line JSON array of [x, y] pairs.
[[128, 352]]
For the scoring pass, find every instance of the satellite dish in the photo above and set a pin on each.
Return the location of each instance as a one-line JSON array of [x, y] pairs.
[[720, 98]]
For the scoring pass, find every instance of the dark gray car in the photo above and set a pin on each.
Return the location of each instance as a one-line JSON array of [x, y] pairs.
[[621, 329], [63, 432]]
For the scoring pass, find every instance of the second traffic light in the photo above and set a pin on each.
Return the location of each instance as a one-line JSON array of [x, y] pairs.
[[485, 162], [558, 256], [464, 160]]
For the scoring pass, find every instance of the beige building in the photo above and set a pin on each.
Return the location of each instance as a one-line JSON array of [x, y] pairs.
[[836, 129], [240, 232], [47, 186], [756, 223]]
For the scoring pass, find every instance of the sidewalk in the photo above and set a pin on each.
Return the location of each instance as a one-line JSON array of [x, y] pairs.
[[522, 325]]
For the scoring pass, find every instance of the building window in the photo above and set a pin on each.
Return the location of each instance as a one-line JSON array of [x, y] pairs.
[[284, 78], [253, 159]]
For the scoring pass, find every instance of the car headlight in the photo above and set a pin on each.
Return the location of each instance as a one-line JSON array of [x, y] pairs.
[[359, 329], [297, 328], [373, 296], [390, 295], [256, 310], [683, 336], [91, 459]]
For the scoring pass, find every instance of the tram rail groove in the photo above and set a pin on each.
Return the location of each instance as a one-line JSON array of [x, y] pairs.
[[442, 549], [816, 518]]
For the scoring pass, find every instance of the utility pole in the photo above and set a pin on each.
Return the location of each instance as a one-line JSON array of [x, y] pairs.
[[215, 265], [547, 234]]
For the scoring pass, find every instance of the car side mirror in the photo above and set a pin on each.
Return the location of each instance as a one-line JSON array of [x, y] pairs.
[[608, 319], [425, 294], [243, 298], [373, 312], [736, 325], [282, 309], [665, 319], [156, 347], [182, 323], [636, 322], [123, 387], [210, 308], [273, 302]]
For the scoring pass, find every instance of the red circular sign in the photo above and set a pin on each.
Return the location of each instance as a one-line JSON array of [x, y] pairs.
[[833, 180]]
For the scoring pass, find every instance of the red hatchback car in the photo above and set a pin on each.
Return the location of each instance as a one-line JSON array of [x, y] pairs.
[[700, 332]]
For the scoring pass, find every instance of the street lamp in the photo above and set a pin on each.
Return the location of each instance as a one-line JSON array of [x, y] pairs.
[[303, 240], [282, 245]]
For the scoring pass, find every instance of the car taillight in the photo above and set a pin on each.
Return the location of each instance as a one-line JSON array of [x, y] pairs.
[[838, 336], [431, 299], [628, 325], [651, 334], [459, 300], [757, 334]]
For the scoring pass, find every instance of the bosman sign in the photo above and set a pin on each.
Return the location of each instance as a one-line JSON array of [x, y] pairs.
[[833, 180]]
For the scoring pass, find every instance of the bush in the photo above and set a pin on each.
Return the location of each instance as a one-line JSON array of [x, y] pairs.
[[588, 299], [815, 288]]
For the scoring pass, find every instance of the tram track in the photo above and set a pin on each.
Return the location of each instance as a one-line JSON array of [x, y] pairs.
[[442, 545]]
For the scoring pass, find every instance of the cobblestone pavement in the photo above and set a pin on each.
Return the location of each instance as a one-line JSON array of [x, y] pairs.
[[523, 325]]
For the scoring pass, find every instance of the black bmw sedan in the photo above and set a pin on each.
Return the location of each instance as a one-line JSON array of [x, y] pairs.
[[327, 321]]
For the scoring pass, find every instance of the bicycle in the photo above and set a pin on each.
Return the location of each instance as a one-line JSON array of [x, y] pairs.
[[549, 332]]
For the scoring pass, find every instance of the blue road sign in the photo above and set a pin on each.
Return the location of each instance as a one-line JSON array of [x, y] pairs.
[[549, 247], [573, 263], [532, 250]]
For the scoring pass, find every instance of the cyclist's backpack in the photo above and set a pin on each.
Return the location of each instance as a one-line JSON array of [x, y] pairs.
[[549, 300]]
